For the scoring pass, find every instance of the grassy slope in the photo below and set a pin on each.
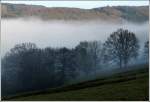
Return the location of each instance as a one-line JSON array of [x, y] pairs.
[[131, 85]]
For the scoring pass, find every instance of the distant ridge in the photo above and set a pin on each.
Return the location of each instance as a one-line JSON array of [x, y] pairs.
[[113, 13]]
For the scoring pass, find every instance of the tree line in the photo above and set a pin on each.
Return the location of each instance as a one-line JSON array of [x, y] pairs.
[[27, 67]]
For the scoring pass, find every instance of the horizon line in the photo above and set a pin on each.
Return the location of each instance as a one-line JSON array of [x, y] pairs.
[[78, 4]]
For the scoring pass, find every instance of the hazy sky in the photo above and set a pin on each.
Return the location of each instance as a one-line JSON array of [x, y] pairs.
[[83, 4]]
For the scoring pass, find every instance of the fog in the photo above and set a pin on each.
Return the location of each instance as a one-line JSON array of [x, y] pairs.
[[62, 33], [57, 34]]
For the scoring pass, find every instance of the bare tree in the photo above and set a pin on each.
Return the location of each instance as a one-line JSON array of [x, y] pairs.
[[82, 57], [96, 53], [121, 46], [19, 48], [89, 55]]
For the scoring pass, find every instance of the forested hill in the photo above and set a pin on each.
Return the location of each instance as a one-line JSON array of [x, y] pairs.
[[114, 13]]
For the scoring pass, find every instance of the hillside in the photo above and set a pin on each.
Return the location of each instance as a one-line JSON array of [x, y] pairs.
[[131, 85], [116, 13]]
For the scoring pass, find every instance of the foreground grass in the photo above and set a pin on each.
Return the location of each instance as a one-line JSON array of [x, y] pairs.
[[133, 85]]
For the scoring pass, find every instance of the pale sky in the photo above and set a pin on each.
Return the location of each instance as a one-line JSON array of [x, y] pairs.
[[82, 4]]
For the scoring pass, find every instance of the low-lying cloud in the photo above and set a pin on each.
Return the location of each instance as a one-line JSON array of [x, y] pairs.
[[62, 33]]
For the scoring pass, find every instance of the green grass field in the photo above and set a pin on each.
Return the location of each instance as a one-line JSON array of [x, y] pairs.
[[132, 85]]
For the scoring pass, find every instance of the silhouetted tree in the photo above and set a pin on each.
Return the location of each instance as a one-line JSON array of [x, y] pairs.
[[95, 50], [89, 56], [14, 66], [46, 69], [83, 59], [66, 64], [122, 45]]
